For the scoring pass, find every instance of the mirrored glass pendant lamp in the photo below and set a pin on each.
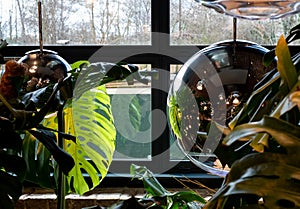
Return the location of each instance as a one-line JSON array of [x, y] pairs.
[[44, 66], [211, 86], [254, 9]]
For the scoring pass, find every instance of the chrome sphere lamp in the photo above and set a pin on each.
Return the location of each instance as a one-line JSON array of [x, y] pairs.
[[207, 93]]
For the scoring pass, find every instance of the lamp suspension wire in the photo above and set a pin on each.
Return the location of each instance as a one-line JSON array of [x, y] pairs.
[[40, 26], [234, 28]]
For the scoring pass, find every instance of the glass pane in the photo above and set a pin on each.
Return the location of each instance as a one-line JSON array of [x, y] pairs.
[[192, 23], [131, 107], [112, 22]]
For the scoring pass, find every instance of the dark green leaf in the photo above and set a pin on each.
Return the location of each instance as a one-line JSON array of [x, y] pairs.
[[162, 196], [48, 139], [43, 167], [38, 98], [294, 34], [64, 135], [269, 57], [94, 75], [152, 186], [284, 133], [38, 161], [14, 164], [187, 196], [10, 186], [29, 155]]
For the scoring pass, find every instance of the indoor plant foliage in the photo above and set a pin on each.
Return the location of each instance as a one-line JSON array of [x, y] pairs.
[[30, 120], [267, 176]]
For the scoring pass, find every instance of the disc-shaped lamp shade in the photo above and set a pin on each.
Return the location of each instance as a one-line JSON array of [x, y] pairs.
[[43, 68], [211, 86], [254, 9]]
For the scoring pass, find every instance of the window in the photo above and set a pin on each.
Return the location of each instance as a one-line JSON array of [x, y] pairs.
[[156, 35], [193, 24], [77, 22]]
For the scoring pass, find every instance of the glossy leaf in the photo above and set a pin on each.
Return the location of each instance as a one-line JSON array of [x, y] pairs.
[[90, 119], [152, 186], [97, 74], [283, 132], [14, 164], [48, 139], [295, 98], [38, 162], [29, 155], [163, 197], [261, 175], [269, 57], [44, 166], [79, 64], [294, 34], [285, 64]]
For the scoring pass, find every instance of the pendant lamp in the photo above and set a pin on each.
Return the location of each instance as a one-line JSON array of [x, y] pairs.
[[44, 66], [212, 86], [254, 9]]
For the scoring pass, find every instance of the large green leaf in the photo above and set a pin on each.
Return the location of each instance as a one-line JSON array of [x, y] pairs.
[[38, 161], [160, 195], [265, 176], [48, 139], [285, 64], [152, 186], [93, 126], [89, 118], [97, 74]]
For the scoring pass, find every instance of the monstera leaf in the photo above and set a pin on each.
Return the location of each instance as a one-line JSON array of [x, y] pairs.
[[90, 119], [264, 179], [95, 132]]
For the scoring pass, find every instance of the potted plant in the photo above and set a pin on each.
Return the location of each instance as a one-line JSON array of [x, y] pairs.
[[268, 175], [38, 138]]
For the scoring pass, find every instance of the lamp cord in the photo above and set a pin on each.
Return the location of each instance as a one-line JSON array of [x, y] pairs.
[[40, 25]]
